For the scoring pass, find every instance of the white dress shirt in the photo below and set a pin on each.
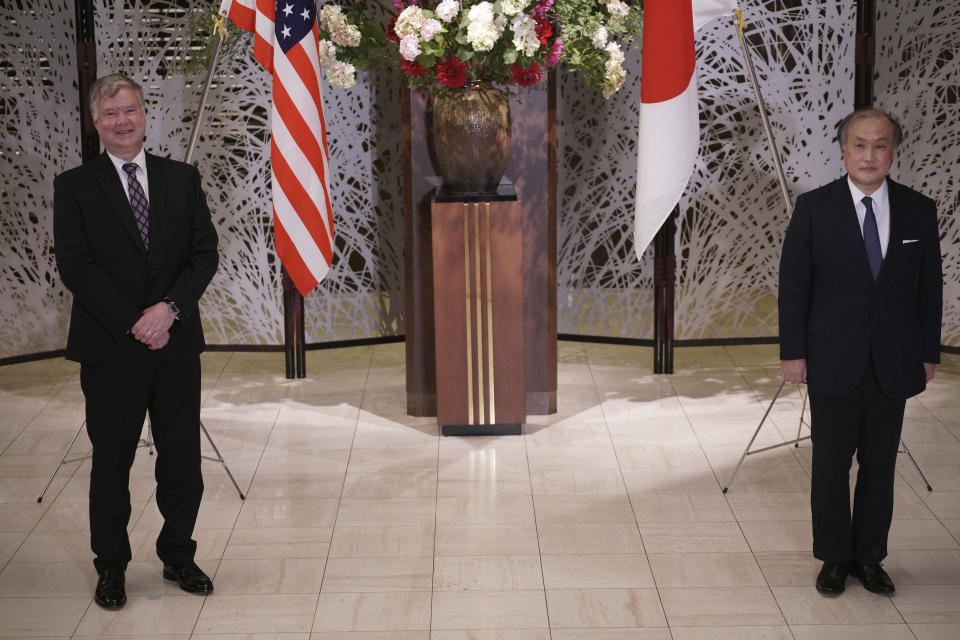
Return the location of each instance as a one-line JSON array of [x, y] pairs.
[[141, 161], [881, 211]]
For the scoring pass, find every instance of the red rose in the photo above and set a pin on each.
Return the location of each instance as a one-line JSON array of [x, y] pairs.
[[412, 68], [526, 77], [452, 73], [391, 33], [544, 30]]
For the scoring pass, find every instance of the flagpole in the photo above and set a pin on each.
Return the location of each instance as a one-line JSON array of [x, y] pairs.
[[741, 26], [664, 279], [220, 29]]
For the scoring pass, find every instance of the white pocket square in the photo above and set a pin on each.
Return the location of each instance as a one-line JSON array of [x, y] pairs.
[[909, 241]]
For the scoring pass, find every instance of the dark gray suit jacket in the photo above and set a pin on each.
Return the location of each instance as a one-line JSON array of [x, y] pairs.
[[835, 316], [113, 278]]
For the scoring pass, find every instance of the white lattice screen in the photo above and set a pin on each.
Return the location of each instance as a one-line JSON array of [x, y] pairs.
[[40, 137], [733, 221]]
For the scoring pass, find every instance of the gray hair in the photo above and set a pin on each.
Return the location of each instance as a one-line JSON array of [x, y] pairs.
[[108, 86], [864, 113]]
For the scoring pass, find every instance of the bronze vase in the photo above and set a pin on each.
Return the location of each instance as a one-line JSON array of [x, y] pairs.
[[469, 137]]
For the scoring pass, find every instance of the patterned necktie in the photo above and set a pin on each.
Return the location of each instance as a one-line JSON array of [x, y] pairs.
[[871, 238], [138, 202]]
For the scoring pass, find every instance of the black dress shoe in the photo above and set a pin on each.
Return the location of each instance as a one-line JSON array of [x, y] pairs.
[[832, 577], [873, 577], [111, 592], [190, 577]]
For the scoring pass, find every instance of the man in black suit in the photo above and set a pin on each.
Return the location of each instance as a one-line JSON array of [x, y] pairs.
[[860, 301], [135, 245]]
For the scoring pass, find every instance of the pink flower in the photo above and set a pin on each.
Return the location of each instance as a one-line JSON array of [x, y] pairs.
[[410, 47], [398, 5], [541, 8], [553, 57], [430, 29]]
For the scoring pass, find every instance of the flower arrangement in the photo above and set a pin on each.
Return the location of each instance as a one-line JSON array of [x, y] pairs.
[[446, 44], [347, 42], [451, 43]]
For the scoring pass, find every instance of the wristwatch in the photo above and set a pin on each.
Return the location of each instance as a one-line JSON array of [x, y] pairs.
[[174, 309]]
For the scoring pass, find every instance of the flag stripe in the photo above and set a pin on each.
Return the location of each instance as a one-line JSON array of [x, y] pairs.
[[300, 237], [301, 94], [285, 43], [300, 186], [294, 264]]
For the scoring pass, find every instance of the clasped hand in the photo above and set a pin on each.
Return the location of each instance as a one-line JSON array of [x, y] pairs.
[[153, 327]]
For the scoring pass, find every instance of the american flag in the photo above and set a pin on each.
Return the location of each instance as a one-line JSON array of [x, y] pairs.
[[285, 43]]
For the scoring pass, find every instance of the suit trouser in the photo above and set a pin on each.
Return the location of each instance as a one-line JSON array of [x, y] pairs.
[[869, 423], [118, 396]]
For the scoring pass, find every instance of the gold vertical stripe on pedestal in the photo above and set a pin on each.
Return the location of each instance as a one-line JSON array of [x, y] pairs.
[[493, 404], [477, 293], [466, 291]]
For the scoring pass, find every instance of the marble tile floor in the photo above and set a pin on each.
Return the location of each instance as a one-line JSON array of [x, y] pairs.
[[605, 521]]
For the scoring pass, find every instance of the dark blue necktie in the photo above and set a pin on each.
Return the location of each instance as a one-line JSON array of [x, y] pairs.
[[871, 238], [138, 202]]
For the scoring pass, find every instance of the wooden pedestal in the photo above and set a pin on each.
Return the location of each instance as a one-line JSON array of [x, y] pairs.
[[532, 166], [478, 316]]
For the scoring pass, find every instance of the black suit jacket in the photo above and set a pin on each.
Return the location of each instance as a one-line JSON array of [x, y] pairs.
[[113, 278], [832, 312]]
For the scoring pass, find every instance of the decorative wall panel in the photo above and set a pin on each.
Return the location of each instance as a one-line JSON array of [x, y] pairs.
[[918, 73], [40, 137], [733, 219]]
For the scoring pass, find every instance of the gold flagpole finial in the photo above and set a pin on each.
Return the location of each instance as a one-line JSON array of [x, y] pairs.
[[741, 23], [219, 26]]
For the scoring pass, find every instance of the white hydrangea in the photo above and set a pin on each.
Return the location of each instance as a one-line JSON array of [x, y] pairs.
[[512, 7], [617, 8], [409, 21], [482, 35], [481, 13], [328, 52], [600, 37], [614, 53], [342, 74], [614, 73], [346, 35], [612, 79], [448, 10], [525, 38], [410, 47], [331, 18], [430, 29]]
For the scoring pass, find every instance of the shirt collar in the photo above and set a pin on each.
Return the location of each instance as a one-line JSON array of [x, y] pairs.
[[140, 160], [879, 197]]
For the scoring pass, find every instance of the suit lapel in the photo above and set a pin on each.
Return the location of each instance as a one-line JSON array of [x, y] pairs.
[[895, 243], [106, 174], [157, 187]]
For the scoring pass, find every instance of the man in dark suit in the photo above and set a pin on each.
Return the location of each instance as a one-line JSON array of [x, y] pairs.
[[135, 245], [860, 301]]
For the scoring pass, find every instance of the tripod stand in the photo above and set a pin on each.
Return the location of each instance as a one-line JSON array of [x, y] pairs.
[[144, 442], [796, 441]]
